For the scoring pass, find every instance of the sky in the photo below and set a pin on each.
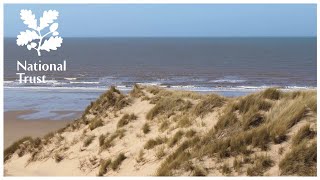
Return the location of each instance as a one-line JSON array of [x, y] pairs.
[[172, 20]]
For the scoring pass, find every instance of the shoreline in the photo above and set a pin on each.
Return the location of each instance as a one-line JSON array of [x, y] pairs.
[[16, 128], [127, 88]]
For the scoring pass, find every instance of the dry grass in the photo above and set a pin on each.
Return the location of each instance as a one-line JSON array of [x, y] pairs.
[[256, 120], [168, 106], [140, 157], [146, 128], [253, 101], [151, 143], [126, 118], [58, 157], [183, 120], [15, 146], [117, 162], [309, 98], [246, 126], [207, 104], [300, 161], [48, 136], [261, 164], [104, 164], [96, 122], [226, 170], [177, 158], [161, 92], [153, 89], [136, 91], [108, 140], [305, 133], [160, 152], [165, 124], [102, 137], [272, 93], [252, 119], [198, 171], [87, 110], [226, 120], [191, 133], [176, 138], [88, 141], [283, 116], [111, 99], [237, 164]]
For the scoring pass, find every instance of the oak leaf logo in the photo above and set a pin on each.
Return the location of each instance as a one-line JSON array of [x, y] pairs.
[[33, 38]]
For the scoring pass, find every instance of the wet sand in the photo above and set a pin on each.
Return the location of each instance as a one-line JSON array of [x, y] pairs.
[[16, 128]]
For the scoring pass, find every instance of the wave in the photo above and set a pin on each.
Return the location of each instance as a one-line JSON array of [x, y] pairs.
[[84, 82], [70, 79], [175, 87], [229, 79], [227, 83]]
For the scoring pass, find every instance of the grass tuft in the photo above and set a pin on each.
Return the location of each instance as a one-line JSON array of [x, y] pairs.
[[104, 164], [117, 162], [272, 93], [96, 122], [58, 157], [108, 140], [160, 152], [88, 141], [261, 164], [111, 99], [140, 157], [190, 133], [176, 159], [126, 118], [146, 128], [183, 121], [226, 170], [176, 138], [207, 105], [303, 134], [137, 91], [198, 171], [15, 146], [102, 138], [167, 106], [151, 143], [301, 161]]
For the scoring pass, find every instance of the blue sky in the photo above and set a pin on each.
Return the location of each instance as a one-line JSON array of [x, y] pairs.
[[215, 20]]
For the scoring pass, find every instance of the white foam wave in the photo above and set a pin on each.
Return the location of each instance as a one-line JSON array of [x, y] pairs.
[[174, 87], [84, 82], [70, 79], [228, 81]]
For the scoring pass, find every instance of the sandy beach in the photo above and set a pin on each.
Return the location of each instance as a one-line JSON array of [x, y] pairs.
[[16, 128]]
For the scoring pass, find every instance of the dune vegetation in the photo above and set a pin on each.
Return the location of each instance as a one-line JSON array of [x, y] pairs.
[[158, 132]]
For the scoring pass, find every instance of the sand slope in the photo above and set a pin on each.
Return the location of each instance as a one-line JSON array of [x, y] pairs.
[[188, 130]]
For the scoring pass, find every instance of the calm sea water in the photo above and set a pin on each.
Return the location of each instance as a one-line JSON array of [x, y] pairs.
[[189, 62], [228, 66]]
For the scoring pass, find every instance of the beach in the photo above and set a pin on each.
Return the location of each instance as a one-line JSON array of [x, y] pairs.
[[15, 128]]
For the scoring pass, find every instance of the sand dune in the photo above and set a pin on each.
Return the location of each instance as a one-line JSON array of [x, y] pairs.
[[153, 131]]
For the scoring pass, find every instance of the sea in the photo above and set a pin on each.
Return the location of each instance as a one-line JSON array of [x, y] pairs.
[[227, 66]]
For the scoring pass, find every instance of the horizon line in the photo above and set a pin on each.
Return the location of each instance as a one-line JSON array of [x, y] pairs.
[[181, 36]]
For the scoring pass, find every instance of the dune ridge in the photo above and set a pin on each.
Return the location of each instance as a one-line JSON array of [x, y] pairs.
[[153, 131]]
